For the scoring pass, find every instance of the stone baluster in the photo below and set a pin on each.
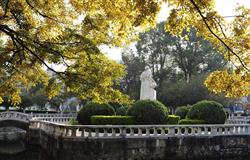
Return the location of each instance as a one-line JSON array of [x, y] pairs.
[[97, 132], [186, 130], [194, 130], [67, 132], [82, 132], [163, 132], [232, 130], [113, 131], [171, 131], [139, 132], [155, 131], [220, 131], [205, 131], [73, 132], [236, 129], [131, 132], [105, 132], [241, 131], [123, 132], [147, 132]]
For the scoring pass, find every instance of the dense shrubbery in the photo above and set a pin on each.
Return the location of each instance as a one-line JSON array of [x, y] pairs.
[[209, 111], [121, 111], [148, 112], [112, 120], [182, 111], [173, 119], [90, 109], [191, 121]]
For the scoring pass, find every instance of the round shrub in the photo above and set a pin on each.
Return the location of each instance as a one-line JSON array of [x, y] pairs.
[[90, 109], [148, 112], [182, 111], [209, 111]]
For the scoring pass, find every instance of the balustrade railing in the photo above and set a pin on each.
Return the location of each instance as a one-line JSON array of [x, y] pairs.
[[138, 131], [14, 116], [54, 119], [238, 120], [53, 114]]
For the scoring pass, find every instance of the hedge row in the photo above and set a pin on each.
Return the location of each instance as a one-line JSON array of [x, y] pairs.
[[90, 109], [146, 112], [173, 119], [112, 120], [191, 121]]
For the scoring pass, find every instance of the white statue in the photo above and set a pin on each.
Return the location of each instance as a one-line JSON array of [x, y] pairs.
[[147, 85]]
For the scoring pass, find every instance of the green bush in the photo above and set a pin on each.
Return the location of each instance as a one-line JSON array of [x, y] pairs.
[[209, 111], [112, 120], [121, 111], [173, 119], [148, 112], [90, 109], [73, 121], [182, 111], [191, 121]]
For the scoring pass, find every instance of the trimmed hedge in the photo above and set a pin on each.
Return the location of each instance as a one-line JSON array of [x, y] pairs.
[[112, 120], [182, 111], [148, 112], [90, 109], [173, 119], [209, 111], [191, 121]]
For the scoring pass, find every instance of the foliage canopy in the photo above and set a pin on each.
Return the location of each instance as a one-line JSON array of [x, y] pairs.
[[37, 33]]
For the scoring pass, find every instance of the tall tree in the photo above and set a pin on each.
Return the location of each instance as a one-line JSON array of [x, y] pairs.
[[39, 33], [194, 55], [166, 54], [231, 39], [181, 93], [154, 49], [131, 81], [174, 61]]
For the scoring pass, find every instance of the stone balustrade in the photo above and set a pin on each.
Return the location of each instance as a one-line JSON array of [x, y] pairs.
[[240, 117], [14, 116], [137, 131], [53, 114], [23, 117], [54, 119], [238, 120]]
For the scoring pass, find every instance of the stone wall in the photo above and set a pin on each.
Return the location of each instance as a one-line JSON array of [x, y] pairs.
[[171, 148]]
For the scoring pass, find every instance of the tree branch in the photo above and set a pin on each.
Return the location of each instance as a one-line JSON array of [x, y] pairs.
[[211, 31]]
